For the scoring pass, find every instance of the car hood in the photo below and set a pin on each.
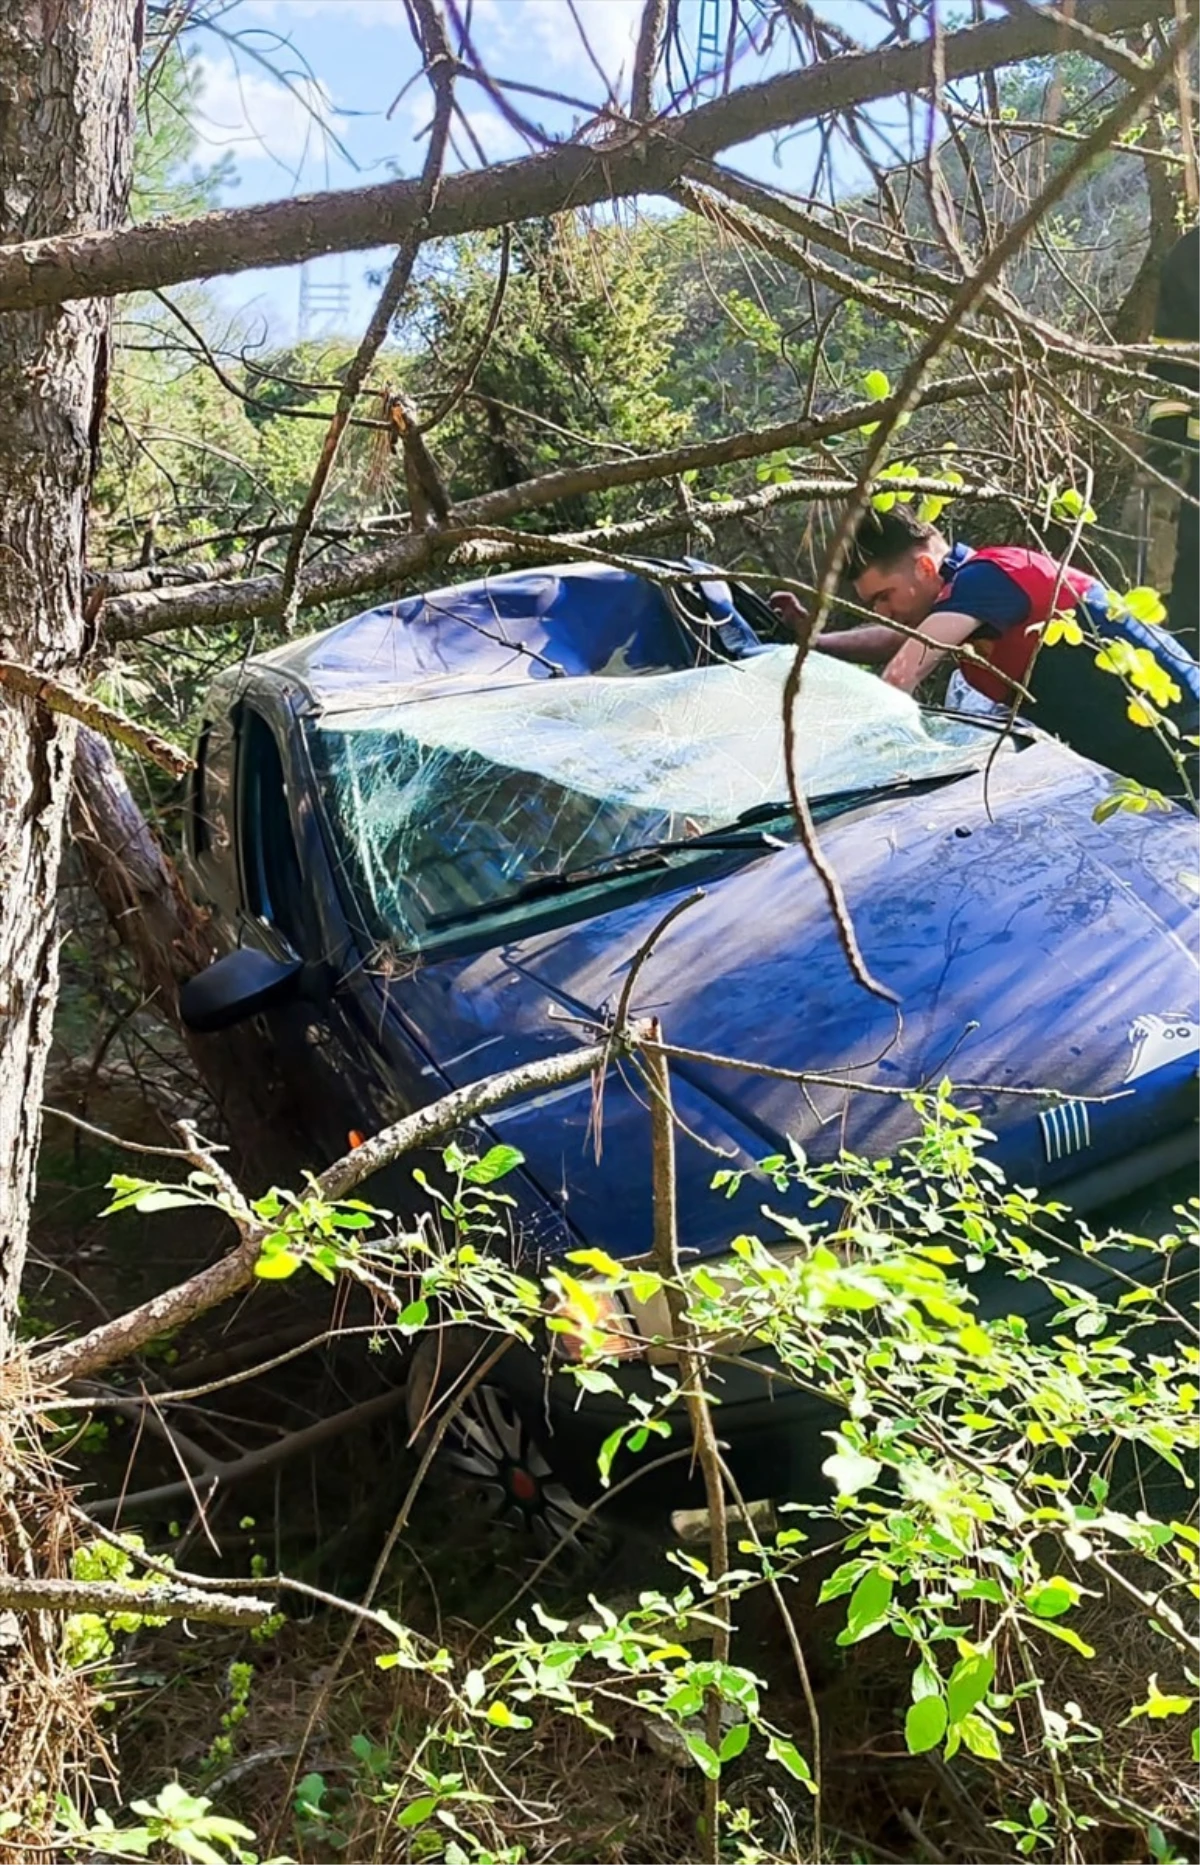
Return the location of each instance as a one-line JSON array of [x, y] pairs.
[[1026, 947]]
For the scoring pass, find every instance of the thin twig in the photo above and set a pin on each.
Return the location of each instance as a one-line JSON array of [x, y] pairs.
[[665, 1258], [439, 68]]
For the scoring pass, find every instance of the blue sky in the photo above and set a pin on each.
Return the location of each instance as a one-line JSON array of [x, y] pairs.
[[310, 94]]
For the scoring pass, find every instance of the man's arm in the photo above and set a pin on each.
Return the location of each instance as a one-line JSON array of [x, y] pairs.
[[872, 644], [916, 660]]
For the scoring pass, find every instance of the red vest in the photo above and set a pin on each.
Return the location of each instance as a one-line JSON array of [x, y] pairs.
[[1050, 590]]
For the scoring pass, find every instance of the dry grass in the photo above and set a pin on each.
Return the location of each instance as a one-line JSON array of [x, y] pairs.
[[48, 1736]]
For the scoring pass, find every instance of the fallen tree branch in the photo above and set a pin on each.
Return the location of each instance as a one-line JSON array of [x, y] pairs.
[[214, 604], [167, 252], [218, 1476], [463, 1104], [186, 1301], [18, 1594], [44, 690]]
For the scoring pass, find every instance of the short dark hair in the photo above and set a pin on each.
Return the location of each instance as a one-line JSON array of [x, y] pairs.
[[884, 537]]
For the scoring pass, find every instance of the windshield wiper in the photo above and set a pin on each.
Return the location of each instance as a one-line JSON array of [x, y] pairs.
[[741, 833], [837, 800], [622, 861], [832, 801]]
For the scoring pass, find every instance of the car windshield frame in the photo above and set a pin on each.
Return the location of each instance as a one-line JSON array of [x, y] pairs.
[[434, 832]]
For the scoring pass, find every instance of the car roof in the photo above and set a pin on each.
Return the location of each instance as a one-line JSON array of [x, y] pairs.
[[578, 618]]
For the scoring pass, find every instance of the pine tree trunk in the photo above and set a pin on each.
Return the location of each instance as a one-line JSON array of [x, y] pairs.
[[67, 73]]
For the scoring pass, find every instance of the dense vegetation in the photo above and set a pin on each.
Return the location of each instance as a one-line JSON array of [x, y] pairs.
[[981, 1644]]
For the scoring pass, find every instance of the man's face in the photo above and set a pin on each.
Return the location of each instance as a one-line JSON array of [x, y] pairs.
[[904, 590]]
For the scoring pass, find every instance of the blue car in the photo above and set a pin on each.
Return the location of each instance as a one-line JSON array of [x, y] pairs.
[[433, 839]]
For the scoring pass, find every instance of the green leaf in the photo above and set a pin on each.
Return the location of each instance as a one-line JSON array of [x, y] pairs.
[[1145, 605], [925, 1724], [876, 385], [599, 1260], [162, 1199], [1051, 1598], [969, 1683], [1158, 1705], [193, 1847], [705, 1758], [594, 1379], [735, 1741], [980, 1737], [1067, 1636], [496, 1162], [788, 1756], [278, 1266], [868, 1607], [413, 1317], [417, 1811]]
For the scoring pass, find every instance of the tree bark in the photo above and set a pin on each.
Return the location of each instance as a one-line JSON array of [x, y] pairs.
[[633, 161], [67, 70]]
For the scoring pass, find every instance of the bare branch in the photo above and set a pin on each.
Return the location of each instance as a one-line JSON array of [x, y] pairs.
[[132, 618], [219, 1476], [128, 1333], [645, 59], [56, 697], [439, 69], [165, 1602]]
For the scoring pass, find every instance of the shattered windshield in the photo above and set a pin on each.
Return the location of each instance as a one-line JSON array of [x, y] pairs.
[[442, 808]]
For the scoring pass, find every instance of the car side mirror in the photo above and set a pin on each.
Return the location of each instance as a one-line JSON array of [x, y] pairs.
[[234, 988]]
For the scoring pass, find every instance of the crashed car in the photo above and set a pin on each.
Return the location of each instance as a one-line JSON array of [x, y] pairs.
[[434, 838]]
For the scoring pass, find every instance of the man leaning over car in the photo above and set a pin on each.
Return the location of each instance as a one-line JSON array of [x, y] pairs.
[[998, 599]]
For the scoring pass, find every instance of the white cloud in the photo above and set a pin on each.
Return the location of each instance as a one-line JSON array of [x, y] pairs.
[[259, 116], [546, 29], [279, 13], [536, 32]]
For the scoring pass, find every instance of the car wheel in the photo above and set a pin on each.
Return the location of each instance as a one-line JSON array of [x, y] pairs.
[[490, 1447]]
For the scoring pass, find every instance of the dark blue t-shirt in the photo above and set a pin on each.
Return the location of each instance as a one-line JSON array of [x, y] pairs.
[[983, 590]]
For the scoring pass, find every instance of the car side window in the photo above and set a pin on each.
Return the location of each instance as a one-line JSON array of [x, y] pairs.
[[271, 863], [212, 788]]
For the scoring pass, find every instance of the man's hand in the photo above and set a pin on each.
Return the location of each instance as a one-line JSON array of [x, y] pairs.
[[790, 610]]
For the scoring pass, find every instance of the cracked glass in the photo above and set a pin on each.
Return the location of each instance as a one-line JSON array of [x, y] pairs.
[[441, 807]]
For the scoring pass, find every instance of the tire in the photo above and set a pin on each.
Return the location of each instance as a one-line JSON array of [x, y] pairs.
[[491, 1447]]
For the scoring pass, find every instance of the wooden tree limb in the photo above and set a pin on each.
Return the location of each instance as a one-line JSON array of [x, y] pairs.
[[212, 605], [128, 1333], [57, 697], [166, 252], [219, 1475], [689, 1348], [18, 1594], [651, 29]]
